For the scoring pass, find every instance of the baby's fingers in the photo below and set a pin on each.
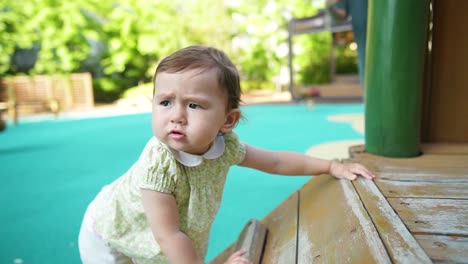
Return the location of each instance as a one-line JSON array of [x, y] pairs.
[[237, 258], [363, 171], [350, 175]]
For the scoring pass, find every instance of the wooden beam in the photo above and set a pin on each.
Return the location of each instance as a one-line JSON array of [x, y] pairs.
[[423, 189], [334, 227], [444, 249], [439, 216], [445, 148], [399, 242], [252, 239], [281, 239], [282, 232]]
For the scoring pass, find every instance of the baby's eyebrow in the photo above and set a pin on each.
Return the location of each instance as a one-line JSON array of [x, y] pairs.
[[197, 98], [164, 95]]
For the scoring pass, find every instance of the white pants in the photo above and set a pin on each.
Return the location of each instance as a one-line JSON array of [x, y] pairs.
[[93, 250]]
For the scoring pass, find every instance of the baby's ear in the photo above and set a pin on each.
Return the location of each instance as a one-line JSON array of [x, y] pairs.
[[231, 120]]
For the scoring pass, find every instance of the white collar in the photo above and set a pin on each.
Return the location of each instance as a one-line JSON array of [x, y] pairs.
[[192, 160]]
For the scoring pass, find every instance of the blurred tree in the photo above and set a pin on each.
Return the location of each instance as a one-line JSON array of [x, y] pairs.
[[260, 40], [43, 36], [121, 42]]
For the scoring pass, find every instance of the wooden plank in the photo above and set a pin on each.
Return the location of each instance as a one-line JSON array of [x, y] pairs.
[[445, 249], [446, 119], [424, 161], [412, 189], [252, 239], [399, 242], [62, 91], [282, 232], [436, 168], [439, 216], [281, 239], [82, 90], [442, 160], [445, 148], [334, 227], [453, 175]]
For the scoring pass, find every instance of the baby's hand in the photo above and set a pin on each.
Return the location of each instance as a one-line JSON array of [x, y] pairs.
[[237, 258], [349, 171]]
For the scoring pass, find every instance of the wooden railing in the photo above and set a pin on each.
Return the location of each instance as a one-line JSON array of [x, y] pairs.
[[45, 93]]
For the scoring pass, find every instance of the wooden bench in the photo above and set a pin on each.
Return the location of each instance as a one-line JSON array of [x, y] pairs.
[[43, 93], [3, 108], [29, 95]]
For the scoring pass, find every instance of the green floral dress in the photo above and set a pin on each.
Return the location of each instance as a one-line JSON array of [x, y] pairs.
[[119, 215]]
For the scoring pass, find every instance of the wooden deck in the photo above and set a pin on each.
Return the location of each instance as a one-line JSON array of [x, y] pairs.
[[416, 211]]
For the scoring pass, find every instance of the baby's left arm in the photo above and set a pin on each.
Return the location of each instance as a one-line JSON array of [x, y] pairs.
[[292, 163]]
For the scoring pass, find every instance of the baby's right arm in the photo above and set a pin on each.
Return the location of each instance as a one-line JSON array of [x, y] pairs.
[[163, 218]]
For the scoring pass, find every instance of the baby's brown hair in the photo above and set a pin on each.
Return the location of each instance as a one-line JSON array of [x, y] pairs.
[[205, 58]]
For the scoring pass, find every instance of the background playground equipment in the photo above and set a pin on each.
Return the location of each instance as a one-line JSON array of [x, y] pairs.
[[416, 141]]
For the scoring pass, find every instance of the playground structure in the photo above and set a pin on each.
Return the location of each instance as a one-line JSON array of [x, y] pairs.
[[416, 142], [321, 22]]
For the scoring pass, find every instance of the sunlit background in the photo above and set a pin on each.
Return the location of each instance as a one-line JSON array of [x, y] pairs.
[[121, 42], [52, 167]]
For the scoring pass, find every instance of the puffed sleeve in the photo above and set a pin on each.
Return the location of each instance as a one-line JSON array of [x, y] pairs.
[[235, 150], [160, 174]]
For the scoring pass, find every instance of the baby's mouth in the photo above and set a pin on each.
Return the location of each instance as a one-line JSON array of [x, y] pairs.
[[176, 134]]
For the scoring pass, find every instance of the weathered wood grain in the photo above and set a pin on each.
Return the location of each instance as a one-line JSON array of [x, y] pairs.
[[445, 148], [426, 149], [425, 162], [399, 242], [416, 211], [446, 117], [282, 232], [417, 174], [445, 249], [281, 238], [429, 161], [430, 195], [423, 189], [439, 216], [436, 168], [334, 227], [252, 239]]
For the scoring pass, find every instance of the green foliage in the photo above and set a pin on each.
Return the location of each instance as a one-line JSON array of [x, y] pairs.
[[313, 60], [248, 85], [145, 90], [107, 90], [346, 60], [121, 42], [57, 28]]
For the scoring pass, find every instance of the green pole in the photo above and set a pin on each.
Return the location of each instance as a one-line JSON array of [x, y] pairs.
[[396, 48]]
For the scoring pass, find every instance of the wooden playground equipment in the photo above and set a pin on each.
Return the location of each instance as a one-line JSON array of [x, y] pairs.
[[43, 93], [416, 141]]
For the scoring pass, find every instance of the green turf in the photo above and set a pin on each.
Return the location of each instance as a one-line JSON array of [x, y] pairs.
[[51, 170]]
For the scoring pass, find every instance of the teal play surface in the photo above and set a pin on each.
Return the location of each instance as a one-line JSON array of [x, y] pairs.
[[51, 169]]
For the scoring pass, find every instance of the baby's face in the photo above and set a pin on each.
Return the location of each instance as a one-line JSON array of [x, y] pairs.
[[189, 109]]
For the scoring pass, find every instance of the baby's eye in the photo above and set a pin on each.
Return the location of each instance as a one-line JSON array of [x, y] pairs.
[[194, 106], [165, 103]]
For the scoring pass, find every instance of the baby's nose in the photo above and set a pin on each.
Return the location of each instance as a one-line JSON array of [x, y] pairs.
[[179, 115]]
